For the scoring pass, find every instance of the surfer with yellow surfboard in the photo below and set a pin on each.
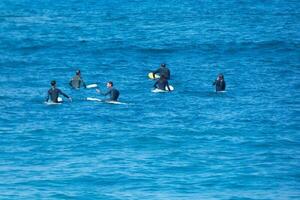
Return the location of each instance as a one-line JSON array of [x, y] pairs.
[[162, 70]]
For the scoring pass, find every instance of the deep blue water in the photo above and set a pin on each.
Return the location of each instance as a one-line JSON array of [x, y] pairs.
[[188, 144]]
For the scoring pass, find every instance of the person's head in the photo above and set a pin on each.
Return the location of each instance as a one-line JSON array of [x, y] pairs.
[[53, 83], [220, 76], [78, 72], [109, 84], [163, 65]]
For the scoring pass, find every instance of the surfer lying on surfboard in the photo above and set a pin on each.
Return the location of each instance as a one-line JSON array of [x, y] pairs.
[[54, 93], [113, 92], [162, 84]]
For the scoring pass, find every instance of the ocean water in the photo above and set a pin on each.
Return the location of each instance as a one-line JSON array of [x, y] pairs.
[[191, 143]]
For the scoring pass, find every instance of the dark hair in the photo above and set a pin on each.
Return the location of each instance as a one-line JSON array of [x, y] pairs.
[[53, 83], [77, 72], [163, 65], [111, 83]]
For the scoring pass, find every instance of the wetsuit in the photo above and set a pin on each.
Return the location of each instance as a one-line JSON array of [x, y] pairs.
[[220, 85], [53, 94], [76, 82], [114, 94], [162, 84], [163, 71]]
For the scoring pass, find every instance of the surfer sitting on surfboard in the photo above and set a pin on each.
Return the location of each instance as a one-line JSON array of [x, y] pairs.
[[163, 71], [162, 83], [113, 92], [54, 92], [220, 83], [76, 81]]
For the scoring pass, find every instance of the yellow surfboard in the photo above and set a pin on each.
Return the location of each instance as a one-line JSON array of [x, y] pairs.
[[150, 75]]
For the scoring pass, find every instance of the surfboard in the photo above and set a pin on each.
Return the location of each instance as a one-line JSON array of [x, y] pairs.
[[171, 88], [156, 90], [150, 75], [93, 99], [100, 100], [59, 99], [91, 86]]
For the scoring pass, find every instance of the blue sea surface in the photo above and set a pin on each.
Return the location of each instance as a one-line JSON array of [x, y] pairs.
[[191, 143]]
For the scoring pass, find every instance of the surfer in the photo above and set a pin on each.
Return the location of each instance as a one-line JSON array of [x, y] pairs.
[[113, 92], [162, 83], [163, 71], [77, 80], [220, 83], [54, 92]]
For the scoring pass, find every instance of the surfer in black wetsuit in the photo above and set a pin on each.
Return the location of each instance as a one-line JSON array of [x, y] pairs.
[[220, 83], [54, 92], [162, 83], [77, 80], [163, 71], [113, 92]]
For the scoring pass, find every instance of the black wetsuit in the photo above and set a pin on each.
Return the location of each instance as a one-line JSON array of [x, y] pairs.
[[162, 84], [53, 94], [114, 94], [76, 82], [220, 85], [163, 71]]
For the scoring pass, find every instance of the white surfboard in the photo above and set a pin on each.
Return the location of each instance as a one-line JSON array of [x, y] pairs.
[[93, 99], [59, 99], [91, 86], [171, 88], [156, 90], [100, 100]]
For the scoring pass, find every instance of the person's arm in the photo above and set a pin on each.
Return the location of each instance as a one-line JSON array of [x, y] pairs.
[[102, 93], [60, 92], [156, 71], [70, 83], [107, 93], [224, 87], [83, 83]]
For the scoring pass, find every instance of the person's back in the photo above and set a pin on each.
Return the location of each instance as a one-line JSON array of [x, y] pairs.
[[114, 94], [220, 83], [76, 81], [163, 71], [53, 93]]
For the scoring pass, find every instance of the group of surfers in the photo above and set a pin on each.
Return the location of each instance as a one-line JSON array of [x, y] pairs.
[[162, 84]]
